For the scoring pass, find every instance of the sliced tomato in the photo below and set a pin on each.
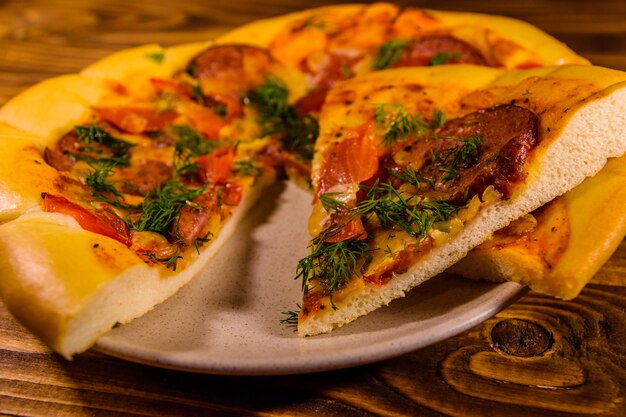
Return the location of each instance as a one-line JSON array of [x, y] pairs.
[[135, 119], [216, 167], [104, 223], [352, 229], [352, 161], [205, 120], [232, 194]]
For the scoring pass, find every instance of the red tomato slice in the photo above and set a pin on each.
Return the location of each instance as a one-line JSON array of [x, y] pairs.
[[106, 224], [352, 161], [136, 120], [216, 167], [206, 121], [352, 229]]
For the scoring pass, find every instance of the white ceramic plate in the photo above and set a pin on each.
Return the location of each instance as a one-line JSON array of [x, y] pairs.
[[227, 320]]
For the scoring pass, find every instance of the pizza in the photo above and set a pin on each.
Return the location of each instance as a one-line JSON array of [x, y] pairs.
[[133, 172], [414, 167], [335, 43]]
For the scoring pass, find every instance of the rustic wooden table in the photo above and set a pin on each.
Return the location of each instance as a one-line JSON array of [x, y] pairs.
[[539, 357]]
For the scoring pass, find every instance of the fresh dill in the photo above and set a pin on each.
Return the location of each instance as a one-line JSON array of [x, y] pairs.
[[388, 53], [408, 176], [200, 241], [190, 144], [443, 57], [158, 56], [162, 207], [198, 94], [458, 157], [246, 168], [331, 264], [95, 134], [221, 110], [398, 124], [330, 203], [277, 117], [170, 262], [291, 317], [102, 189]]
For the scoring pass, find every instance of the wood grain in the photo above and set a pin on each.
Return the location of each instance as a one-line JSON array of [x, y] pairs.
[[539, 357]]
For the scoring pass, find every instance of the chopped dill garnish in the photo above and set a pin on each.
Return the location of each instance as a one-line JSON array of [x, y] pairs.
[[162, 207], [95, 134], [399, 125], [388, 53], [330, 203], [462, 156], [331, 264], [291, 317], [169, 262], [246, 168], [443, 57], [221, 110], [200, 241], [409, 176], [297, 133], [101, 188], [190, 144], [197, 92], [157, 57]]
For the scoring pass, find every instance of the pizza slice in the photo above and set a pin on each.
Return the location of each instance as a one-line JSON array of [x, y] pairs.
[[415, 167], [119, 183], [558, 248]]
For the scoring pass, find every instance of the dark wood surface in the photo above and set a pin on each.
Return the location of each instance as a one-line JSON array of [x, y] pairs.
[[539, 357]]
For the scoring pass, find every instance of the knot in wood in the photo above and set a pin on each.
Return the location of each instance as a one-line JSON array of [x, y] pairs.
[[521, 338]]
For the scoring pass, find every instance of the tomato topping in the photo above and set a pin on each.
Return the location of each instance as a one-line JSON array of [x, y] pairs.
[[161, 85], [136, 120], [103, 223], [216, 167], [206, 121], [352, 161], [352, 229], [232, 194]]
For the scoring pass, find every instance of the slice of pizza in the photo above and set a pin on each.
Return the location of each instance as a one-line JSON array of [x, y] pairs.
[[558, 248], [119, 183], [415, 167]]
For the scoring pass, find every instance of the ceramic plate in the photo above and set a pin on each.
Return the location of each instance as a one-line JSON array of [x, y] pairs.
[[227, 320]]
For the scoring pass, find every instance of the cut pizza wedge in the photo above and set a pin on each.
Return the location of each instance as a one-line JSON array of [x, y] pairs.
[[415, 167], [557, 249], [131, 175]]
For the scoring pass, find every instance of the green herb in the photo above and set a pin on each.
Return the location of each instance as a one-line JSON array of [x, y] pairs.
[[169, 262], [388, 53], [190, 144], [192, 68], [409, 176], [101, 188], [331, 264], [246, 168], [330, 203], [198, 94], [162, 207], [277, 117], [399, 125], [95, 134], [345, 70], [410, 213], [443, 57], [221, 110], [462, 156], [200, 241], [291, 317], [157, 57]]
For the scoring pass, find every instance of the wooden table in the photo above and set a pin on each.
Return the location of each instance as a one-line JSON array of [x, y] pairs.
[[539, 357]]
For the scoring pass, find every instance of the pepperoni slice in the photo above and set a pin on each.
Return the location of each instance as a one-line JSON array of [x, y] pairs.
[[105, 223], [144, 176], [190, 224], [422, 51], [507, 134], [58, 160]]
